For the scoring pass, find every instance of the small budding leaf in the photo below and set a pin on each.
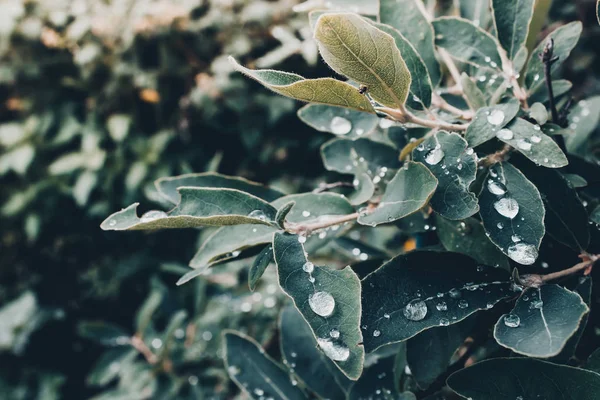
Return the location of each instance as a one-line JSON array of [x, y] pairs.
[[489, 121], [355, 48], [512, 212], [260, 264], [511, 20]]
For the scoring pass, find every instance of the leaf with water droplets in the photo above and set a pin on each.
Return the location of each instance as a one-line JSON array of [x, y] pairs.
[[254, 372], [378, 382], [167, 187], [473, 94], [322, 90], [406, 193], [355, 48], [260, 264], [429, 353], [454, 164], [300, 351], [282, 214], [358, 156], [364, 189], [198, 207], [327, 299], [565, 38], [583, 120], [447, 285], [566, 218], [337, 120], [487, 122], [407, 17], [524, 378], [529, 140], [511, 20], [547, 317], [466, 42], [468, 237], [512, 213]]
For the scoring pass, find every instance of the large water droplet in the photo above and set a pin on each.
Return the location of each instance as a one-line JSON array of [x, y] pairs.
[[334, 333], [335, 351], [512, 320], [441, 306], [434, 156], [496, 117], [258, 214], [504, 134], [463, 304], [523, 253], [308, 267], [340, 126], [524, 144], [153, 215], [507, 207], [415, 310], [322, 303], [444, 322], [376, 333], [496, 188], [455, 293]]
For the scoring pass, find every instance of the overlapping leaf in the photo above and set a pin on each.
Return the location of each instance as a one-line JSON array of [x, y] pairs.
[[511, 19], [489, 120]]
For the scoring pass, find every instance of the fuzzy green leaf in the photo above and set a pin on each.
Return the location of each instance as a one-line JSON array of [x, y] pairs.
[[337, 120], [583, 120], [358, 156], [511, 19], [489, 120], [282, 214], [355, 48]]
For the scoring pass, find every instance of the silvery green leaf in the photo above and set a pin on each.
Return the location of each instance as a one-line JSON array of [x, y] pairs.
[[489, 120], [364, 189], [473, 94], [511, 20], [260, 264], [583, 120], [358, 156], [559, 87], [337, 120], [538, 112]]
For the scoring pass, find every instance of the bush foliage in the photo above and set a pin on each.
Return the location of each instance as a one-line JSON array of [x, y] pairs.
[[446, 250]]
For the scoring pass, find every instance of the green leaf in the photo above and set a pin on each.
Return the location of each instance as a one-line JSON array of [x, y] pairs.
[[365, 188], [377, 382], [466, 42], [104, 369], [168, 186], [406, 193], [104, 333], [477, 11], [15, 316], [559, 87], [541, 322], [407, 17], [425, 289], [538, 112], [254, 372], [454, 164], [282, 214], [566, 218], [593, 362], [468, 237], [299, 349], [147, 310], [337, 120], [511, 378], [565, 39], [358, 156], [529, 140], [583, 120], [198, 207], [511, 20], [355, 48], [473, 94], [322, 90], [489, 120], [260, 264], [429, 352], [328, 299], [512, 213], [595, 215], [420, 85]]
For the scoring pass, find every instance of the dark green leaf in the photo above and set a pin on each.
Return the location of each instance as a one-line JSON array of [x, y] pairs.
[[511, 20], [541, 322], [595, 215], [593, 362], [511, 378], [512, 212], [432, 289], [337, 120], [406, 193], [260, 264], [328, 299], [110, 364], [377, 382], [468, 237], [355, 48], [282, 214], [254, 372], [104, 333], [467, 42], [559, 87], [357, 156], [473, 94], [407, 17], [168, 186], [311, 366], [575, 181], [146, 311], [322, 90], [583, 120], [489, 120], [454, 164]]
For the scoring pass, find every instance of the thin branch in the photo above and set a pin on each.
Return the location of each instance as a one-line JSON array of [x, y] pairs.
[[140, 346], [440, 103], [405, 116], [327, 186], [547, 57], [588, 261], [499, 156], [452, 68]]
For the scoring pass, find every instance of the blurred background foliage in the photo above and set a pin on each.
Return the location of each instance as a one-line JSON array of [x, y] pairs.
[[99, 98]]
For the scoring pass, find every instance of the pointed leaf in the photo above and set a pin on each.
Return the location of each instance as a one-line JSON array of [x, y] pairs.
[[254, 372], [337, 120], [513, 378], [327, 299], [357, 156], [168, 186], [541, 322], [467, 42], [260, 264], [300, 351], [406, 193], [473, 95], [425, 289], [489, 120], [355, 48], [511, 20], [454, 164], [282, 214], [322, 90], [407, 17], [512, 212]]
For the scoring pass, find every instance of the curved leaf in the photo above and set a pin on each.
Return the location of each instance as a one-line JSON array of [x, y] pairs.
[[511, 19], [337, 120], [258, 267]]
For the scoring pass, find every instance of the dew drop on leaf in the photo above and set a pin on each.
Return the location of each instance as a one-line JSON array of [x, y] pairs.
[[152, 215], [336, 352], [444, 322], [308, 267], [340, 126], [441, 306], [322, 303], [434, 156], [496, 117], [536, 139], [415, 310], [455, 293], [507, 207], [505, 134], [512, 320], [496, 188], [112, 222], [523, 253], [334, 333], [376, 333], [463, 304], [524, 144], [258, 214]]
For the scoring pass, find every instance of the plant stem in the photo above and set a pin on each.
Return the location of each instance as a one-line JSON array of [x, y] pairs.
[[405, 116], [140, 346], [326, 186], [307, 229], [588, 261], [496, 157], [439, 102]]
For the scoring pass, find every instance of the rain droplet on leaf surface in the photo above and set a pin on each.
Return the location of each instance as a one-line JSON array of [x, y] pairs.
[[415, 310], [523, 253], [512, 320], [524, 144], [507, 207], [308, 267], [496, 188], [340, 126], [258, 214], [152, 215], [441, 306], [463, 304], [322, 303], [505, 134], [334, 333], [376, 333], [434, 156], [335, 351], [444, 322], [496, 117]]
